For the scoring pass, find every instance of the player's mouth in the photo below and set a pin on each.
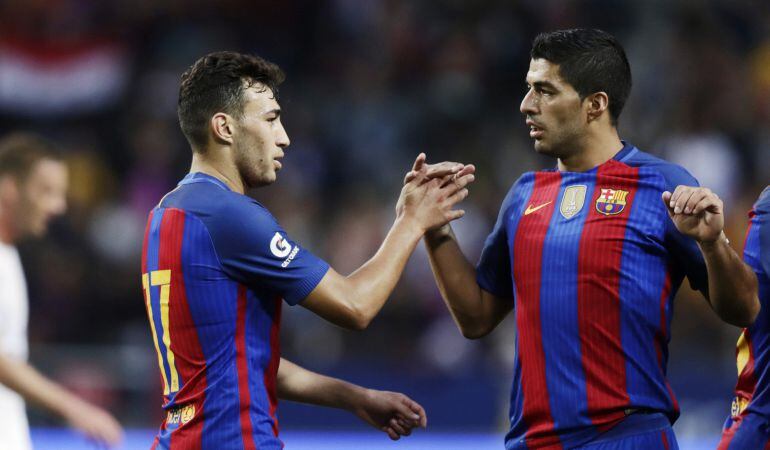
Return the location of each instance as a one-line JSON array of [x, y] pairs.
[[277, 163], [535, 131]]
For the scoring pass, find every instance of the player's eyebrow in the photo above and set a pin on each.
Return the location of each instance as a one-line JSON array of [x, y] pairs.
[[544, 84]]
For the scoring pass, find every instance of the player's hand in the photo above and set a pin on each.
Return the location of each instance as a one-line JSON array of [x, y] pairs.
[[438, 170], [697, 212], [393, 413], [97, 424], [429, 202]]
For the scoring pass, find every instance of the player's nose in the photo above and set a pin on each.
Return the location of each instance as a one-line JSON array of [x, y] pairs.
[[282, 139], [527, 105]]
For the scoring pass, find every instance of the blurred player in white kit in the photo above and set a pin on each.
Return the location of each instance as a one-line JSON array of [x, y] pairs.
[[33, 185]]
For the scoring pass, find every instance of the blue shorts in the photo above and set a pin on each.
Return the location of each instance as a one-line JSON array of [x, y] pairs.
[[637, 431], [748, 432]]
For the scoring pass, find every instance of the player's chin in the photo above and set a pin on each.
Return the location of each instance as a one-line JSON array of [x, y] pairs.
[[542, 147]]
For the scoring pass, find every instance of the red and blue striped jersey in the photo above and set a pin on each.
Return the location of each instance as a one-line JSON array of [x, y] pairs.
[[592, 262], [752, 392], [215, 268]]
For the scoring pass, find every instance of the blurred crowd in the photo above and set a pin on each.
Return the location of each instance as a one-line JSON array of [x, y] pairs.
[[369, 85]]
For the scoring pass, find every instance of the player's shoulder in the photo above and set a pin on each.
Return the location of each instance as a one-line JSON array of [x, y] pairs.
[[762, 205], [523, 184], [672, 174]]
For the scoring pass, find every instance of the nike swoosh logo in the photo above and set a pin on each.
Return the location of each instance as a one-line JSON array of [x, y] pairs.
[[530, 209]]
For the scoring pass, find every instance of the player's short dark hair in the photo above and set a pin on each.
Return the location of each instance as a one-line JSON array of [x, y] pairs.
[[215, 83], [591, 61], [20, 152]]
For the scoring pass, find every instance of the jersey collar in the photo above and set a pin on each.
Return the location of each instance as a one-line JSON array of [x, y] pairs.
[[626, 152], [200, 177]]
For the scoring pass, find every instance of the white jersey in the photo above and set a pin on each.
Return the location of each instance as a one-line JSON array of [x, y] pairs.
[[14, 311]]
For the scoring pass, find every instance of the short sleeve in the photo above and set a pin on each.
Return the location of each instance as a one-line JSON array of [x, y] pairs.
[[255, 250], [684, 250], [493, 271], [763, 216]]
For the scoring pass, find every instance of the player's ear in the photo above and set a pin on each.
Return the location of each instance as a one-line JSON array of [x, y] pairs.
[[222, 127], [597, 103]]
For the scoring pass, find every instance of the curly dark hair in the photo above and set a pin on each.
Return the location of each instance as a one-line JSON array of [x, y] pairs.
[[591, 61], [215, 83]]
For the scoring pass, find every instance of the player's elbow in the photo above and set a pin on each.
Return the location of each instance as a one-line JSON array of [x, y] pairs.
[[472, 333], [743, 313], [360, 323], [473, 330], [750, 312], [356, 318]]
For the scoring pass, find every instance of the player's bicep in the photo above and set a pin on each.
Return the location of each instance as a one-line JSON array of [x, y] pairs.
[[330, 300]]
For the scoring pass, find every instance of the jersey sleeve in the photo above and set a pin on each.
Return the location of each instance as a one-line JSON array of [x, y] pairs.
[[763, 213], [255, 250], [493, 271], [684, 250]]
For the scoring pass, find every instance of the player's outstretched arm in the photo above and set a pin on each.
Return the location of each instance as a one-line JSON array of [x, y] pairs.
[[391, 412], [94, 422], [732, 285], [353, 301], [475, 311]]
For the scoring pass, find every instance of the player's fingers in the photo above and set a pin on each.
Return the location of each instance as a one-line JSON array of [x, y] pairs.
[[467, 170], [455, 214], [418, 162], [442, 169], [396, 426], [404, 409], [444, 180], [457, 183], [666, 196], [457, 197], [391, 433], [695, 198], [407, 425], [710, 203], [675, 196], [418, 410], [681, 195], [411, 175]]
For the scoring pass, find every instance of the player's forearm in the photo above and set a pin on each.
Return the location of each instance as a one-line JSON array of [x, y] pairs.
[[34, 387], [732, 284], [456, 280], [370, 286], [301, 385]]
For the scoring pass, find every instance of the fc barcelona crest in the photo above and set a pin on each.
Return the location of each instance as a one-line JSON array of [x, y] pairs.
[[611, 201], [572, 201]]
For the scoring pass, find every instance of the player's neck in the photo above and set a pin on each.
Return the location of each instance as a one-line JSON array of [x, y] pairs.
[[219, 169], [594, 151]]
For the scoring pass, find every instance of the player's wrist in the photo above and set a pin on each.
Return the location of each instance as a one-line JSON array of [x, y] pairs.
[[410, 224], [708, 244], [438, 235]]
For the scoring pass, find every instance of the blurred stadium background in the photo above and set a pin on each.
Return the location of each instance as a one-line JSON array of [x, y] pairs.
[[370, 84]]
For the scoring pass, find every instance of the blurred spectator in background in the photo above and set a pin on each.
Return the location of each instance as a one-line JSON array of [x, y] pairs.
[[33, 184]]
